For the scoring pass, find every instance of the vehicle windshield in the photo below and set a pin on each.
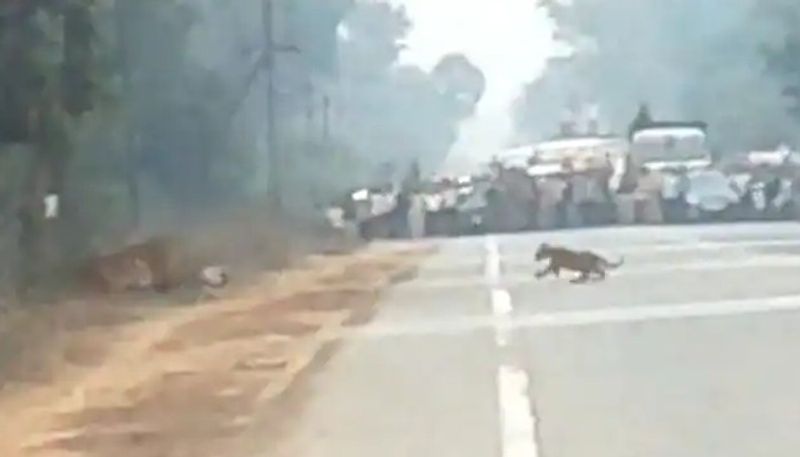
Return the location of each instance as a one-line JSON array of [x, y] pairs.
[[399, 228]]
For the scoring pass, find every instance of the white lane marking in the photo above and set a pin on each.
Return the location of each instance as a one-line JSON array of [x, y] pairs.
[[492, 266], [722, 264], [502, 309], [523, 255], [611, 315], [525, 251], [663, 312], [501, 303], [517, 421], [652, 268], [517, 424]]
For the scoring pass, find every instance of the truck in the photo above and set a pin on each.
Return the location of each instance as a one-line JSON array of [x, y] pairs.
[[679, 152], [671, 146]]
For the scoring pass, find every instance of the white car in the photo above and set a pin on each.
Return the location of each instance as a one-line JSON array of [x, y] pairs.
[[710, 191]]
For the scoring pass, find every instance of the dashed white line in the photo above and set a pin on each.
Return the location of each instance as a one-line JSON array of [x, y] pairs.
[[501, 303], [501, 310], [492, 265], [517, 422]]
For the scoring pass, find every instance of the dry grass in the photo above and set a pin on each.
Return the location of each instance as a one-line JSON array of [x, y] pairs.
[[98, 380]]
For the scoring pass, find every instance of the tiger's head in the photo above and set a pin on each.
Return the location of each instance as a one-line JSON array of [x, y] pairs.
[[543, 252]]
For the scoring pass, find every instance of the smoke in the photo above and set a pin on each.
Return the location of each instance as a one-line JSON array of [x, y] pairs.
[[348, 107], [688, 59], [511, 47]]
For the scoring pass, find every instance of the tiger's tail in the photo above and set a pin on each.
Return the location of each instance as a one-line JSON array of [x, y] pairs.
[[614, 265]]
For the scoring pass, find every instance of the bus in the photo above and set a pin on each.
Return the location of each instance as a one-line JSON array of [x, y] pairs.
[[671, 145]]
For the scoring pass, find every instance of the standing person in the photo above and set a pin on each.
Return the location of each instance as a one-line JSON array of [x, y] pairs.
[[399, 216], [605, 176], [533, 204], [772, 189], [450, 209], [671, 196], [416, 216], [491, 209], [608, 204], [580, 201], [598, 200], [566, 200], [795, 195], [630, 178], [563, 183], [349, 207], [684, 186], [433, 204], [649, 193], [551, 194], [625, 201]]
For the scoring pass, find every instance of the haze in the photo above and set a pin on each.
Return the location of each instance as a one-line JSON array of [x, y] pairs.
[[510, 40]]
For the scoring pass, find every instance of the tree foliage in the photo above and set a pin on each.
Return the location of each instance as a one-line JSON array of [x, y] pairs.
[[48, 47], [398, 113], [783, 51], [47, 58], [689, 59], [123, 102], [460, 80]]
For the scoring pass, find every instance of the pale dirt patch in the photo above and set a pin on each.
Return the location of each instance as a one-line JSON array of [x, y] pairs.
[[173, 382]]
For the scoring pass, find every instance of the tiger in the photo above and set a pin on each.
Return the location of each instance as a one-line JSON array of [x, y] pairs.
[[583, 262], [160, 264], [145, 265]]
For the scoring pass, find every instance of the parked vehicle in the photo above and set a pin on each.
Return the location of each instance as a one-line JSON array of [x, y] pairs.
[[711, 194], [671, 145], [679, 151]]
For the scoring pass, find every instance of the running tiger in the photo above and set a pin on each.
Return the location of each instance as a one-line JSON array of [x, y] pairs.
[[583, 262]]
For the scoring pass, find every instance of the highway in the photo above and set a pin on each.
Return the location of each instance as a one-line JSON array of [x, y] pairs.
[[691, 349]]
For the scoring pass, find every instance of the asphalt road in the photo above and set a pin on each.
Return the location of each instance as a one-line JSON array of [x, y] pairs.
[[691, 349]]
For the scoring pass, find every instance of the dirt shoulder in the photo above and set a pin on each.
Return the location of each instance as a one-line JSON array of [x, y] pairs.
[[177, 381]]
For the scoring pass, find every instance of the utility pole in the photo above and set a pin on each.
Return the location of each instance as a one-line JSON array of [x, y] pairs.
[[131, 126], [310, 111], [276, 160], [274, 187], [326, 118]]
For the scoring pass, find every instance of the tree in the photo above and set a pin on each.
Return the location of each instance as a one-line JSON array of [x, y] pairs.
[[312, 27], [691, 59], [460, 80], [49, 47], [374, 34], [782, 54], [178, 109], [400, 113]]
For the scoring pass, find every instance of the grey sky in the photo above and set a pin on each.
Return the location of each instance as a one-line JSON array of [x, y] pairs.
[[509, 39]]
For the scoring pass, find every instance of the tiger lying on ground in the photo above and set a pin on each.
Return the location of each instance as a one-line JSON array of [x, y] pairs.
[[150, 265], [139, 266], [584, 262]]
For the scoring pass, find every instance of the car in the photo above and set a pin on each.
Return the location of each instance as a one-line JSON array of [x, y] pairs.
[[710, 194]]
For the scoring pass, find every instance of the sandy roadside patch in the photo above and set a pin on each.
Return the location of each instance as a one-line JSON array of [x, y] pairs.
[[176, 382]]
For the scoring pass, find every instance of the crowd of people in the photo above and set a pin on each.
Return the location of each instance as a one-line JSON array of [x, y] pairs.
[[567, 198], [512, 200]]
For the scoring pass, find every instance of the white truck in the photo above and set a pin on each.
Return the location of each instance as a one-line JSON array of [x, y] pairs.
[[679, 152]]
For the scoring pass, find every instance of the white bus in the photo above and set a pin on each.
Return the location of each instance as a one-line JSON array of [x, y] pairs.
[[669, 147], [584, 153]]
